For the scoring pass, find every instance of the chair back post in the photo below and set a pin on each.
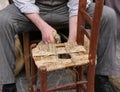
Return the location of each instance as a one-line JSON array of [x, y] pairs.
[[80, 34], [94, 23], [95, 29]]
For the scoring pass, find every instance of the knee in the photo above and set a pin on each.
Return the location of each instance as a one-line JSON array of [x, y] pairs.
[[109, 14], [5, 22], [4, 19]]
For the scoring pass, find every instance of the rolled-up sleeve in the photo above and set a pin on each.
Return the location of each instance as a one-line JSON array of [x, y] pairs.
[[26, 6], [73, 7]]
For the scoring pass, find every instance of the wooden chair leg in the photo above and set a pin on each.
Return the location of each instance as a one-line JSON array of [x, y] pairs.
[[43, 79], [90, 85], [79, 76], [33, 75], [26, 46]]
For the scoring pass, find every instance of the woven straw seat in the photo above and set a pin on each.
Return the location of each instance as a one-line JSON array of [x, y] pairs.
[[48, 55]]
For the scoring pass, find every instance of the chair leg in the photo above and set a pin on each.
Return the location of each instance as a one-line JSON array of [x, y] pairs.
[[26, 46], [79, 76], [33, 74], [90, 85], [43, 79]]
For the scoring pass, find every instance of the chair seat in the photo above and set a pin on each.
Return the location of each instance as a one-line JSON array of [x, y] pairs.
[[59, 56]]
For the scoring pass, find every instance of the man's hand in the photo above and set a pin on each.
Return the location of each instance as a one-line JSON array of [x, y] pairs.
[[47, 34]]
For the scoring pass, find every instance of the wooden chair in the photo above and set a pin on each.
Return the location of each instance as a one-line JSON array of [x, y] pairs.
[[80, 84], [82, 17]]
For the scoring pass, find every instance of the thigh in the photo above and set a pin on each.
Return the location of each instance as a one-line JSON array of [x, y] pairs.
[[56, 15], [18, 21]]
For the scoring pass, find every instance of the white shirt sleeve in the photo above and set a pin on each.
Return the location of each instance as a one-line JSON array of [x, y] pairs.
[[73, 7], [26, 6]]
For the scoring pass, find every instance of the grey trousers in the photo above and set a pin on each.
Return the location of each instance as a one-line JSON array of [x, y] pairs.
[[12, 21], [115, 4]]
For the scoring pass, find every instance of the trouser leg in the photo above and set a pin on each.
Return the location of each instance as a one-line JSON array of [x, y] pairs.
[[107, 44], [106, 50], [11, 22]]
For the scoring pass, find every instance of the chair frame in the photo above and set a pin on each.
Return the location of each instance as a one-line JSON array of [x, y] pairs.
[[82, 18]]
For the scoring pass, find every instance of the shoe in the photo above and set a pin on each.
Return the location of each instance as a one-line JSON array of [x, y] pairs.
[[9, 88], [102, 84]]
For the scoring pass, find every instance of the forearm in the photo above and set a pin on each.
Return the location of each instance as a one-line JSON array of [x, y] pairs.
[[37, 20], [46, 29], [73, 12], [72, 29]]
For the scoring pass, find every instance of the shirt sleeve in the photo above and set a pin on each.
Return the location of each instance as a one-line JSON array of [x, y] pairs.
[[73, 7], [26, 6]]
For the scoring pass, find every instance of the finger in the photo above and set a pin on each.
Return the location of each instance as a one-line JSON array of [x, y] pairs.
[[47, 41], [52, 40]]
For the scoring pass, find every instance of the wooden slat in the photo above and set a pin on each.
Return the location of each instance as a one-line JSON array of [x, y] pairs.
[[86, 16]]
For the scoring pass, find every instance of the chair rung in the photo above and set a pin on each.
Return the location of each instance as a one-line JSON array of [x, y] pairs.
[[67, 86]]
